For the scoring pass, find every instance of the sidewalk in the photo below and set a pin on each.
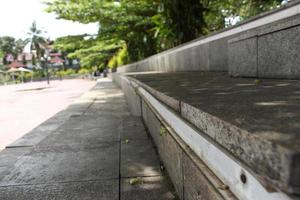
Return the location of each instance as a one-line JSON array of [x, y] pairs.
[[93, 150]]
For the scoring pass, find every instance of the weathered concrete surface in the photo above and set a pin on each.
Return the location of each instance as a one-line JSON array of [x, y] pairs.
[[149, 188], [278, 54], [192, 176], [243, 58], [82, 158], [104, 190], [133, 100], [133, 129], [189, 181], [8, 157], [139, 159], [64, 164], [169, 151], [270, 51], [255, 120]]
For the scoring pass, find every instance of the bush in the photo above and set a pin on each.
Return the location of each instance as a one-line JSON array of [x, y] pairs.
[[59, 73], [119, 59], [113, 62], [83, 71], [122, 56], [67, 72], [27, 76], [38, 74]]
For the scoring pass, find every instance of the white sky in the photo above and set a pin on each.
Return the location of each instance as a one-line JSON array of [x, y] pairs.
[[16, 16]]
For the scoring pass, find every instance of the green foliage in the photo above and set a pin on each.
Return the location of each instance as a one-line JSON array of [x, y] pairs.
[[63, 73], [59, 73], [145, 27], [163, 131], [38, 74], [119, 59], [19, 46], [69, 72], [122, 56], [7, 44], [113, 62], [84, 71], [70, 44], [36, 39], [126, 22], [27, 76]]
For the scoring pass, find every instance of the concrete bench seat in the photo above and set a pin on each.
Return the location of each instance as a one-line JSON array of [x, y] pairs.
[[244, 129], [255, 121]]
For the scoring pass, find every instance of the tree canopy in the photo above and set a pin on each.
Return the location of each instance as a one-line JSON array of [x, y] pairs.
[[145, 27], [9, 45]]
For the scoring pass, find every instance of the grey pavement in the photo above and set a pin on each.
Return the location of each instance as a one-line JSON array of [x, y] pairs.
[[97, 150]]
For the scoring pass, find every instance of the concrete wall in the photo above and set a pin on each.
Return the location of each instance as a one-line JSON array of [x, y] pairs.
[[264, 46]]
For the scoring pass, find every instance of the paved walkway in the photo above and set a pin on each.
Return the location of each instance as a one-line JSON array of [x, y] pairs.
[[25, 106], [93, 150]]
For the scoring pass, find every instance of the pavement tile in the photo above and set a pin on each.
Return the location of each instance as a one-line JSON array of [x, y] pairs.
[[87, 190], [148, 188], [138, 158], [66, 163], [84, 122], [92, 136]]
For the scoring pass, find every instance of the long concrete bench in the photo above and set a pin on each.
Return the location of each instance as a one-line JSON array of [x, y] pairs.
[[222, 131], [220, 137], [265, 46]]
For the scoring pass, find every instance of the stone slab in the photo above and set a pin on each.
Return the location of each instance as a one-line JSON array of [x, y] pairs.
[[87, 190], [133, 100], [91, 122], [196, 185], [242, 58], [134, 133], [169, 151], [218, 54], [65, 163], [133, 129], [255, 120], [138, 159], [8, 158], [30, 139], [278, 54], [42, 131], [149, 188], [153, 125], [106, 106], [171, 155], [92, 136]]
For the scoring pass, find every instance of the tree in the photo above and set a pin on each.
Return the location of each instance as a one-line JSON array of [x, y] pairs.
[[7, 44], [19, 46], [146, 27], [36, 39]]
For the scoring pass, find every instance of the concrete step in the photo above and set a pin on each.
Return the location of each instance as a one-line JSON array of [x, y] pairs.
[[251, 124]]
